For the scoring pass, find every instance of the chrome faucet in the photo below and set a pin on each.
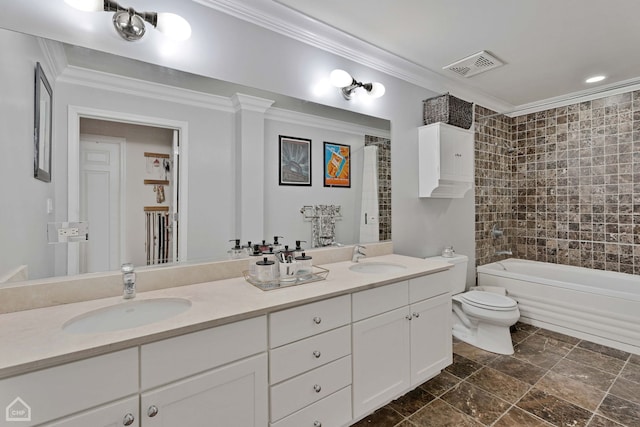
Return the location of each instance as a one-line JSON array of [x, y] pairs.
[[358, 253], [129, 281]]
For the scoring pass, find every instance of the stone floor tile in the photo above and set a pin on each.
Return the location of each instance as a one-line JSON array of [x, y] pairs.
[[620, 410], [383, 417], [571, 390], [517, 417], [476, 354], [627, 390], [462, 367], [558, 336], [518, 369], [440, 414], [596, 360], [440, 384], [631, 372], [598, 421], [553, 409], [476, 402], [502, 385], [585, 374], [412, 401], [599, 348]]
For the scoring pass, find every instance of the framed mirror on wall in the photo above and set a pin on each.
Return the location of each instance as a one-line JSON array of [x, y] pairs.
[[42, 126]]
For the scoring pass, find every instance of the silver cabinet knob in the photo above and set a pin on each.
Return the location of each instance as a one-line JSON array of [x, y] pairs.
[[317, 424], [128, 419], [317, 354], [152, 411], [317, 320], [317, 388], [408, 317], [416, 314]]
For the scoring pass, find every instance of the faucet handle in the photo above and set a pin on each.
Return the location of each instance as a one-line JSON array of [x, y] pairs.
[[127, 268]]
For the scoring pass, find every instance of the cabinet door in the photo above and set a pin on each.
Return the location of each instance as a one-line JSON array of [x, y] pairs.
[[234, 395], [431, 349], [122, 413], [380, 359]]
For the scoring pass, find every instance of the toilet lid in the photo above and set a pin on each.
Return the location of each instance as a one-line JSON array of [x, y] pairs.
[[488, 300]]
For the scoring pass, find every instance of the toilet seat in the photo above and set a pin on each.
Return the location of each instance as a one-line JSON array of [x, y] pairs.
[[488, 300]]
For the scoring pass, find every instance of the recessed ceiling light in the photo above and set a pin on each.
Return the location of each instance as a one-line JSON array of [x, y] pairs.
[[595, 79]]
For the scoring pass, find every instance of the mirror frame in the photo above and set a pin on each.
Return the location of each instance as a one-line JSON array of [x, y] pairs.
[[42, 133]]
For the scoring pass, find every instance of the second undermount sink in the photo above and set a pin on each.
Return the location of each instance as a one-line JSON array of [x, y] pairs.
[[126, 315], [376, 267]]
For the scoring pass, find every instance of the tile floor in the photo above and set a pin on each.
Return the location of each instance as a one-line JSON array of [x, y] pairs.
[[551, 380]]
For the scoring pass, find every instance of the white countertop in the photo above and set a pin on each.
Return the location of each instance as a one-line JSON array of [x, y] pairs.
[[34, 339]]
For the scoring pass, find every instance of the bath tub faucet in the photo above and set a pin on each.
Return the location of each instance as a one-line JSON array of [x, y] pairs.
[[129, 281], [358, 253]]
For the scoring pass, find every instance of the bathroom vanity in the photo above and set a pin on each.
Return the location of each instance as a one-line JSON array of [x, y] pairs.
[[322, 354]]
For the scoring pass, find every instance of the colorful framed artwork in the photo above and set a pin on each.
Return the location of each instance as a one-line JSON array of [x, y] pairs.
[[295, 161], [337, 165]]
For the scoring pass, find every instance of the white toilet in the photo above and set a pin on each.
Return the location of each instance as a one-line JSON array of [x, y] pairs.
[[480, 318]]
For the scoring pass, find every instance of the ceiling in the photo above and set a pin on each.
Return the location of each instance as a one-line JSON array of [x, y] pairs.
[[549, 47]]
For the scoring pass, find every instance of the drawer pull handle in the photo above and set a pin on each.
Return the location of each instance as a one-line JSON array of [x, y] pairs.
[[128, 419], [408, 317], [317, 388], [317, 424], [416, 314], [153, 411], [317, 320], [317, 354]]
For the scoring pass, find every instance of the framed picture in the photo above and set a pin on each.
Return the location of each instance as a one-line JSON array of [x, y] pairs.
[[42, 126], [295, 161], [337, 165]]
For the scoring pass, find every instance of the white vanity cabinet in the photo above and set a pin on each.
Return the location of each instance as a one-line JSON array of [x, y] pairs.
[[310, 364], [401, 338], [49, 396], [213, 377]]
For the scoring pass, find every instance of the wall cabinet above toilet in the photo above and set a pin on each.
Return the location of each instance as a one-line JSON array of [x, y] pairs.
[[445, 155]]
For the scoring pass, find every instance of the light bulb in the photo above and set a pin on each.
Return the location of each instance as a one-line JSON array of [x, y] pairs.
[[377, 90], [595, 79], [173, 26], [340, 78], [86, 5]]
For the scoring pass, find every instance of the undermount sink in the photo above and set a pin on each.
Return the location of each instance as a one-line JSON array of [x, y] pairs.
[[126, 315], [377, 267]]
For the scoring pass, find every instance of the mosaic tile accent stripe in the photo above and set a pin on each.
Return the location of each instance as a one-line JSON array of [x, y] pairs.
[[572, 180], [384, 183]]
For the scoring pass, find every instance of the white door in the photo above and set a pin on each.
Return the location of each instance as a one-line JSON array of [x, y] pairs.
[[431, 349], [380, 359], [100, 201], [121, 413], [173, 210], [234, 395]]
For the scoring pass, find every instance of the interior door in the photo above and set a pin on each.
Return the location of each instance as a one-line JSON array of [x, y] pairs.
[[175, 196], [100, 201]]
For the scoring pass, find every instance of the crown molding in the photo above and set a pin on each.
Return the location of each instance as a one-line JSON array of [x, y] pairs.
[[145, 89], [304, 119], [242, 102], [282, 20], [55, 56]]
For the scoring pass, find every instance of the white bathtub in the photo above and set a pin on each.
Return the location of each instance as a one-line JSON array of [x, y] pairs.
[[599, 306]]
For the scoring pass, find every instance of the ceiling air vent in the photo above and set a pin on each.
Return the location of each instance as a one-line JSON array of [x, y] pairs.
[[474, 64]]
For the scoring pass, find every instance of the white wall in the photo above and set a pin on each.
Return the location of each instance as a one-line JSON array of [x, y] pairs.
[[23, 215]]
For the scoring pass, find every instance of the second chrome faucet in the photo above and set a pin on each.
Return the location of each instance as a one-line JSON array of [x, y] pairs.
[[358, 252]]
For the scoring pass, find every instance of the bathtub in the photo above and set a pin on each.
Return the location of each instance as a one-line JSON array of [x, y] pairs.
[[599, 306]]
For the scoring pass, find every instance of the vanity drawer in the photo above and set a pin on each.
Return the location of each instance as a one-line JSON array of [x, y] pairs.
[[301, 356], [334, 410], [175, 358], [63, 390], [303, 390], [429, 286], [380, 300], [310, 319]]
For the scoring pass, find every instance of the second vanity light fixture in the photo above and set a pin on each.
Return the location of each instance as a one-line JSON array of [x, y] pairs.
[[347, 84], [130, 24]]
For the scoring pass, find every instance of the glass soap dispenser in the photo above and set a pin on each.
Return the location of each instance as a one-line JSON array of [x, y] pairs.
[[305, 266]]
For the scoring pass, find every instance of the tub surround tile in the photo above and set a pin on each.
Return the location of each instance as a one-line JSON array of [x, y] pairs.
[[571, 390], [501, 385], [441, 414], [462, 367], [441, 383], [596, 360], [620, 410], [553, 409], [585, 374], [475, 402], [518, 369]]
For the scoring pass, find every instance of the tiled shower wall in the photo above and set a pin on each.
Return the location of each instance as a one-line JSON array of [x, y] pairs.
[[574, 184], [384, 183]]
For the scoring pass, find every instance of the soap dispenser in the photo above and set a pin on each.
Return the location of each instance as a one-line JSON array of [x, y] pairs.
[[298, 247], [277, 246], [237, 251], [305, 266]]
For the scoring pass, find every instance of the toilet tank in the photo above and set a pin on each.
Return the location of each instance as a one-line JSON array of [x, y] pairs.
[[458, 271]]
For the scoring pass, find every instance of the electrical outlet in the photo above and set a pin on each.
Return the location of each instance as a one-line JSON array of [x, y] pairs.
[[68, 232]]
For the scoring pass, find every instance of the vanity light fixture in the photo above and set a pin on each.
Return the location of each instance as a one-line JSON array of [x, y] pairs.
[[347, 84], [595, 79], [130, 24]]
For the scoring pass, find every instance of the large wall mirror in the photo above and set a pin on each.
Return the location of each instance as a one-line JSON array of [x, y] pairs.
[[140, 152]]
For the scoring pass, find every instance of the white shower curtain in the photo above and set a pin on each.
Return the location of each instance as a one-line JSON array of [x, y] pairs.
[[369, 212]]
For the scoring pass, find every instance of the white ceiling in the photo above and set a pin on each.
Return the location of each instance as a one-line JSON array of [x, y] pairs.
[[549, 46]]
